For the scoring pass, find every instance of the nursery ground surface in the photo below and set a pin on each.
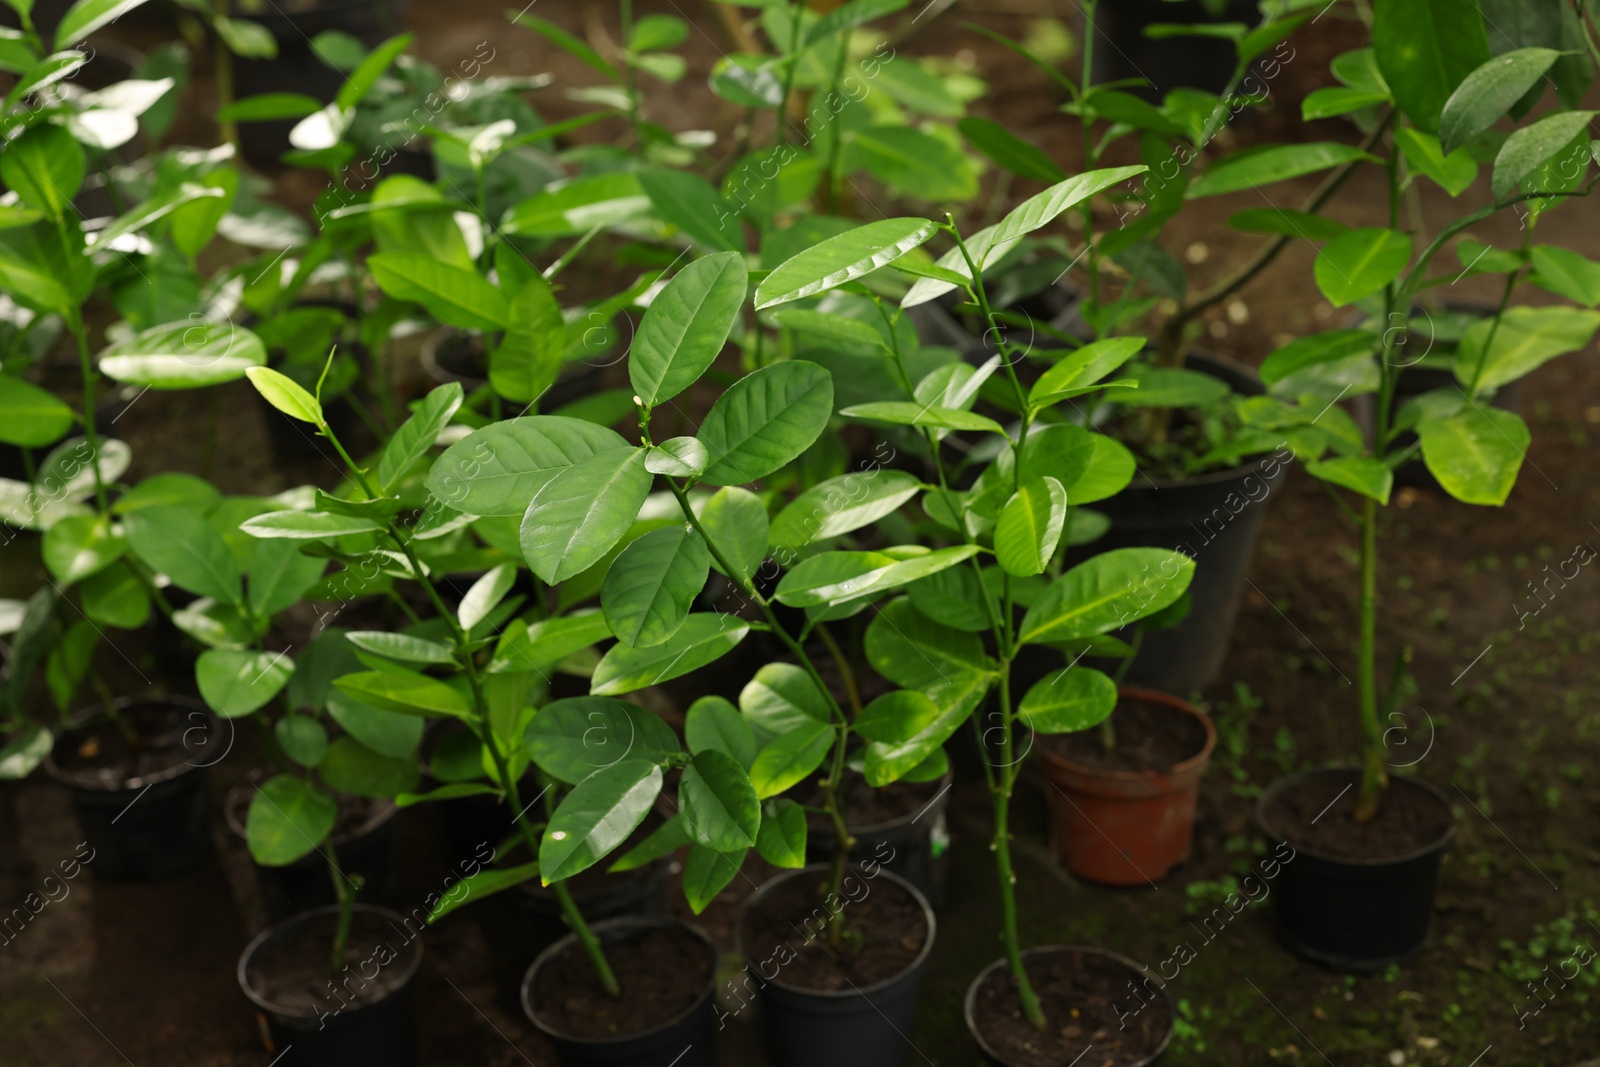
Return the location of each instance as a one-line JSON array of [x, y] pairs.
[[1504, 718]]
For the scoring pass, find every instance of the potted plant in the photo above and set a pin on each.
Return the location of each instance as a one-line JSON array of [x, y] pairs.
[[1359, 894]]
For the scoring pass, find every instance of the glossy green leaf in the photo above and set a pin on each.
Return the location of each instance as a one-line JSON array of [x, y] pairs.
[[116, 597], [1070, 699], [1029, 529], [527, 360], [285, 394], [911, 649], [24, 751], [781, 840], [181, 544], [498, 470], [836, 577], [956, 702], [896, 716], [403, 647], [782, 698], [184, 356], [713, 723], [1527, 150], [1255, 167], [703, 638], [686, 326], [44, 166], [912, 163], [30, 416], [405, 692], [790, 757], [718, 802], [736, 522], [706, 873], [581, 513], [1362, 474], [417, 434], [1008, 151], [651, 586], [1043, 208], [908, 413], [237, 682], [1476, 454], [1566, 273], [600, 813], [306, 525], [1083, 370], [662, 841], [484, 883], [453, 295], [86, 16], [1107, 592], [1361, 263], [1425, 50], [1486, 94], [386, 732], [1526, 338], [575, 207], [839, 505], [289, 818], [765, 420], [79, 546], [1454, 173], [485, 593], [837, 260], [678, 457]]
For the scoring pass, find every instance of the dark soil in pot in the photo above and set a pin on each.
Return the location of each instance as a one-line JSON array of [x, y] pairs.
[[1087, 1003], [362, 841], [1149, 737], [316, 1017], [902, 826], [144, 810], [1355, 896], [667, 971]]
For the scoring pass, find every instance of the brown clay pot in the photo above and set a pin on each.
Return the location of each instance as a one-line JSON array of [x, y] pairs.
[[1126, 827]]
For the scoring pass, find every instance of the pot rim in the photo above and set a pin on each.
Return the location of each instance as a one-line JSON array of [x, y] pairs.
[[1149, 696], [770, 886], [386, 812], [95, 711], [1272, 791], [969, 1002], [623, 923], [241, 970], [945, 782]]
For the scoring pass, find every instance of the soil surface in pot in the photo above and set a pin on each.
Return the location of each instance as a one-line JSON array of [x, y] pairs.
[[1149, 737], [1409, 818], [1080, 993], [662, 974], [888, 921], [292, 971], [98, 756], [866, 806]]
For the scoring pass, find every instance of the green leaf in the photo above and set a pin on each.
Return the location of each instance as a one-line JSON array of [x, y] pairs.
[[306, 525], [302, 739], [237, 682], [1454, 173], [839, 505], [485, 593], [790, 757], [713, 723], [250, 40], [499, 469], [1043, 208], [911, 649], [270, 107], [482, 884], [369, 70], [79, 546], [837, 260], [1425, 50], [1286, 221], [417, 434], [1361, 263], [1008, 151], [651, 586], [956, 701], [830, 327], [406, 692], [836, 577], [453, 295], [285, 394], [1338, 100], [782, 698], [600, 813], [1526, 338], [907, 413], [1486, 94], [781, 840], [1169, 387], [896, 716], [736, 521], [662, 841], [686, 326], [1255, 167], [702, 639], [1476, 454], [1528, 149], [547, 642], [116, 597], [181, 544], [1566, 273], [1362, 474], [386, 732], [185, 355], [401, 647], [578, 206], [678, 457], [848, 16], [707, 873], [912, 163], [1029, 529], [30, 416], [351, 767], [87, 16], [1082, 371], [765, 420], [567, 43], [694, 206], [289, 818], [1107, 592], [1071, 699], [528, 359], [24, 751], [581, 513], [718, 803], [45, 166]]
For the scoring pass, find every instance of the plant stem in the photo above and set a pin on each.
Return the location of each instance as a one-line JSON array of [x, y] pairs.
[[1374, 776], [345, 893], [222, 60], [1002, 860], [91, 379], [846, 672]]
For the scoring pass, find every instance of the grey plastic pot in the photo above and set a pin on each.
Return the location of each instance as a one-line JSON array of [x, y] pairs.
[[854, 1028]]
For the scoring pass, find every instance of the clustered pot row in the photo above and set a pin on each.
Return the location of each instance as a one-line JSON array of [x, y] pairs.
[[872, 513]]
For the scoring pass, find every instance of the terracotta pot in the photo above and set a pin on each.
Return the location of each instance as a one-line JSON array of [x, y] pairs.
[[1126, 827]]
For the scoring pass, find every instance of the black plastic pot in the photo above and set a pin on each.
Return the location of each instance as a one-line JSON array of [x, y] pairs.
[[682, 1041], [855, 1028], [380, 1032], [306, 884], [153, 825], [297, 69], [634, 894], [1136, 974], [451, 355], [1057, 307], [1214, 518], [1354, 915], [915, 847], [1123, 50]]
